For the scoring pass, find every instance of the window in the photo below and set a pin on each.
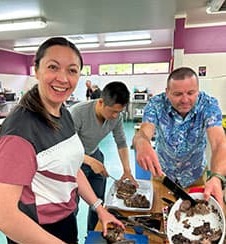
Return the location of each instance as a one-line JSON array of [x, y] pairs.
[[86, 70], [115, 69], [150, 68]]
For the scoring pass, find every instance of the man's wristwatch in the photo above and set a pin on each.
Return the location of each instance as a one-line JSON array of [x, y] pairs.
[[222, 178]]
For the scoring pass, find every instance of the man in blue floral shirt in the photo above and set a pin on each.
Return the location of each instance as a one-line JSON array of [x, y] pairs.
[[181, 119]]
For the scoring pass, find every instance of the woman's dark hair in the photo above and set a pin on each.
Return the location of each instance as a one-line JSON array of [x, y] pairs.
[[53, 42], [181, 74], [115, 92], [31, 100]]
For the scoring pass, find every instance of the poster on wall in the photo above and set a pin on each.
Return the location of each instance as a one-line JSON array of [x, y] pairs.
[[202, 70]]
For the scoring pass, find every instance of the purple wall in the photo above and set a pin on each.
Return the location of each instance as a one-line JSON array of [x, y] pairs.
[[13, 63], [160, 55], [205, 40], [192, 40], [179, 34], [199, 40]]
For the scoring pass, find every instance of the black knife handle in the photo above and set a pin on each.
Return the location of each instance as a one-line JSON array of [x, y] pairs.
[[177, 190]]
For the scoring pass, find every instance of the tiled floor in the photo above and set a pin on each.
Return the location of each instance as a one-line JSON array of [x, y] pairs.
[[112, 163], [2, 238]]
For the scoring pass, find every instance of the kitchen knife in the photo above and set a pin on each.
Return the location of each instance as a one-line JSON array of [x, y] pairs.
[[177, 190], [168, 201], [113, 178]]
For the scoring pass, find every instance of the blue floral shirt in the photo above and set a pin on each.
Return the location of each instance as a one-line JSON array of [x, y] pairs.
[[181, 142]]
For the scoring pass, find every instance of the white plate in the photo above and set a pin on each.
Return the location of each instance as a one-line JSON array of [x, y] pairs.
[[175, 227], [145, 188]]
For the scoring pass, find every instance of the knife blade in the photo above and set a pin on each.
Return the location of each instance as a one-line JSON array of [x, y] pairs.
[[113, 178], [168, 201], [177, 190]]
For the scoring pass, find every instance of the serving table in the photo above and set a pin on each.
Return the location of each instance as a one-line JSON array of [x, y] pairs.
[[157, 206]]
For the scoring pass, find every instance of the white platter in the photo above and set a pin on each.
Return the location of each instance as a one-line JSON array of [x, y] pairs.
[[145, 188], [175, 227]]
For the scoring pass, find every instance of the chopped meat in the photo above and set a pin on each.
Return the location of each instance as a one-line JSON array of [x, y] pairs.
[[216, 235], [186, 224], [114, 233], [185, 205], [207, 235], [125, 189], [199, 230], [177, 215], [137, 201], [200, 208], [180, 239]]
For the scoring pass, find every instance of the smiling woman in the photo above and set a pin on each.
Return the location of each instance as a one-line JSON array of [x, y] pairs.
[[39, 187]]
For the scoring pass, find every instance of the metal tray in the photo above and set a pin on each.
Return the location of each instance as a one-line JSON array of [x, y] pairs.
[[145, 188]]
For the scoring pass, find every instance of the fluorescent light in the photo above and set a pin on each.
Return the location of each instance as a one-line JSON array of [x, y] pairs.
[[128, 43], [26, 48], [83, 38], [126, 36], [34, 48], [22, 24], [87, 45]]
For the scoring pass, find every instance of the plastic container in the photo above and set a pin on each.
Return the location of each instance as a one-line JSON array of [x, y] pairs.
[[140, 173]]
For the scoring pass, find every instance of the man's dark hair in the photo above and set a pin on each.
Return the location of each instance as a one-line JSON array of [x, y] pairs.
[[115, 92], [181, 74]]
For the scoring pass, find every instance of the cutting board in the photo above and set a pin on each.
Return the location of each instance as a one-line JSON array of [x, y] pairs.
[[95, 237]]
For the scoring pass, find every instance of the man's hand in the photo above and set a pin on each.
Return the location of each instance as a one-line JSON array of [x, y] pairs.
[[146, 155], [98, 168], [130, 177], [148, 159], [213, 187]]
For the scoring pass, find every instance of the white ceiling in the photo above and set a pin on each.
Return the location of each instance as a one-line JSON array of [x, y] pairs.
[[85, 18]]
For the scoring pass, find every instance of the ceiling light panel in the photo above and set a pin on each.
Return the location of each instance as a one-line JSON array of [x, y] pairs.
[[130, 35], [25, 48], [83, 38], [22, 24], [35, 47], [87, 45], [128, 43]]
